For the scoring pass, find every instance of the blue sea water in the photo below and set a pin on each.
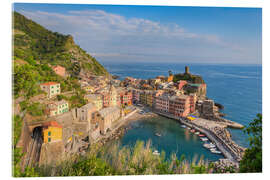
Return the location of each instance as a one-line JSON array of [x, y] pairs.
[[237, 87]]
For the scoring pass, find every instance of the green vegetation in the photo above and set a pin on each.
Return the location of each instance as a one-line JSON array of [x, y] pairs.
[[252, 160], [116, 160], [188, 77], [36, 47]]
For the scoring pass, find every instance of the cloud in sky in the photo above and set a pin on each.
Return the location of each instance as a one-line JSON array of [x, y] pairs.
[[114, 37]]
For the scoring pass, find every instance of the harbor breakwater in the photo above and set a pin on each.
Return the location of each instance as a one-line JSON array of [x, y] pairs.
[[225, 147]]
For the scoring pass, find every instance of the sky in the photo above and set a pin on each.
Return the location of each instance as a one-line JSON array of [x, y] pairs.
[[114, 33]]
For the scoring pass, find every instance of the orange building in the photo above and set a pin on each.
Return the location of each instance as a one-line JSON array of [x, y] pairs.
[[52, 132], [170, 78], [59, 70]]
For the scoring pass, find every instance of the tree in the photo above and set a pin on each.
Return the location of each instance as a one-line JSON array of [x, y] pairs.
[[252, 160]]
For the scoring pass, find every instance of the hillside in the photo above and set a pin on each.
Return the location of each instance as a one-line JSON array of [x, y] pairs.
[[32, 42], [188, 77]]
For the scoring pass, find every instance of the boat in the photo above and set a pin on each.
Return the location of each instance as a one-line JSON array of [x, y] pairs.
[[201, 135], [209, 146], [188, 128], [183, 126], [158, 134], [156, 153], [192, 130], [215, 151], [197, 133], [204, 139]]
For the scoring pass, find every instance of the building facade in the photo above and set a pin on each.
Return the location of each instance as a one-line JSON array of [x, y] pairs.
[[58, 107], [59, 70], [107, 117], [52, 132], [51, 88], [96, 99]]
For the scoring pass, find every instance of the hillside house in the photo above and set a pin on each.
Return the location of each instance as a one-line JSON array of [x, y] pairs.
[[59, 70], [51, 88], [58, 107]]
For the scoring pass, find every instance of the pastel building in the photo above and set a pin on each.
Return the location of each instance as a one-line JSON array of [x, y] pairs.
[[58, 107], [162, 103], [59, 70], [96, 99], [125, 97], [136, 95], [111, 98], [107, 117], [179, 105], [51, 88], [181, 84], [52, 132]]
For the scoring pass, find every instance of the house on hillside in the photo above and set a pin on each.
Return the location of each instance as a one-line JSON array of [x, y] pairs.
[[51, 88], [59, 70], [58, 107]]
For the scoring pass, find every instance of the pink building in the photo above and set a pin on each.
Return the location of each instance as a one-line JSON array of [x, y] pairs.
[[59, 70], [181, 84]]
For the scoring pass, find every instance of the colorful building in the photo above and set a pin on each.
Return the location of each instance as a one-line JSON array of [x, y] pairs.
[[170, 78], [51, 88], [52, 132], [162, 103], [59, 70], [143, 97], [181, 84], [58, 107], [179, 105], [111, 98], [136, 95], [96, 99], [125, 97]]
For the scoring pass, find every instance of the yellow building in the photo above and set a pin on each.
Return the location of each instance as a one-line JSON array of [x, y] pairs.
[[52, 132], [96, 99], [149, 98], [143, 97]]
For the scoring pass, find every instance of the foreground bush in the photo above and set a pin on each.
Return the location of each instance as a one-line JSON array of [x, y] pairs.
[[116, 160]]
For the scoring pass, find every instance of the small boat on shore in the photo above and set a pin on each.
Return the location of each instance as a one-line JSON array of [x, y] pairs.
[[188, 128], [204, 139], [197, 133], [201, 135], [192, 130], [156, 153], [183, 126], [158, 134]]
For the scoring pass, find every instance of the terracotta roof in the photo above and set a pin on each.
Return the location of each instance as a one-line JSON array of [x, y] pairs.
[[52, 123], [49, 83]]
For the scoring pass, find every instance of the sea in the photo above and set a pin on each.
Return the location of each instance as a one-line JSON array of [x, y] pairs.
[[237, 87]]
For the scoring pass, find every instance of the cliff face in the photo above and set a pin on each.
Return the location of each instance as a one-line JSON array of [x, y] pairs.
[[34, 43]]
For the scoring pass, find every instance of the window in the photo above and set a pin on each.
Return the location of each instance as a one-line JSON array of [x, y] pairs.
[[52, 86], [57, 90], [52, 92], [49, 133], [49, 139]]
